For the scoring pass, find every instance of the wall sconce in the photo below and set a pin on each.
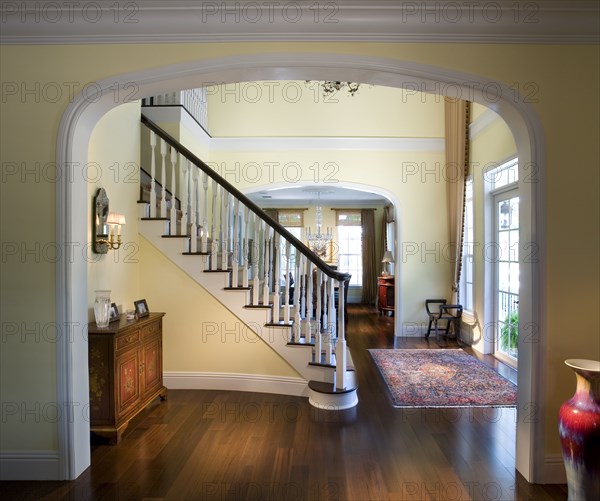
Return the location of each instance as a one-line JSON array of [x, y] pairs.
[[107, 225], [387, 258], [115, 221]]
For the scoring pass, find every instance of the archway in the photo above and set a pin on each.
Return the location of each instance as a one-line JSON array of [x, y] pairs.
[[71, 215]]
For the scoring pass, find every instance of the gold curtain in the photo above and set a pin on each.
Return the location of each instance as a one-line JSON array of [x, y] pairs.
[[384, 222], [273, 214], [370, 270], [457, 115]]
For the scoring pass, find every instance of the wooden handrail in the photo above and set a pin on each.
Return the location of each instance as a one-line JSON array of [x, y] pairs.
[[303, 249]]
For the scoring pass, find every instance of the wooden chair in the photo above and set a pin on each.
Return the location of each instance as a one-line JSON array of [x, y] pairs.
[[450, 313]]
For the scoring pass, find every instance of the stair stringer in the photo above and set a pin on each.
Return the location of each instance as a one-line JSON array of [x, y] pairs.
[[255, 319]]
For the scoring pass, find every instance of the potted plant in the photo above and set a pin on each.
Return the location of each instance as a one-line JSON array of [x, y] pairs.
[[509, 333]]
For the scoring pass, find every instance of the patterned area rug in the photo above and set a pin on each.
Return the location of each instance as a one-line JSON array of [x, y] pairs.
[[442, 378]]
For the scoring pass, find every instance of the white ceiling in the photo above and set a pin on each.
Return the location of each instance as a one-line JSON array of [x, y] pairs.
[[296, 196]]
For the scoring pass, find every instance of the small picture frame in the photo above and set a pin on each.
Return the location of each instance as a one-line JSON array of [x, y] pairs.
[[141, 308], [114, 312]]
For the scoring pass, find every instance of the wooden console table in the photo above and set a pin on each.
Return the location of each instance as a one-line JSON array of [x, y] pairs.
[[125, 368], [385, 285]]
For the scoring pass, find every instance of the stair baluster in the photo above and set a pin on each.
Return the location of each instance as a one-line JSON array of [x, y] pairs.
[[286, 291], [244, 261], [185, 200], [296, 301], [276, 275], [234, 226], [152, 174], [255, 251], [266, 262], [318, 317], [173, 221], [224, 228], [309, 302], [163, 178], [235, 257], [213, 227], [195, 200]]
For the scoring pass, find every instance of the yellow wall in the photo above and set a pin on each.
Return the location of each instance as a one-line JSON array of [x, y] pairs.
[[416, 181], [256, 109], [114, 153], [200, 334], [566, 99]]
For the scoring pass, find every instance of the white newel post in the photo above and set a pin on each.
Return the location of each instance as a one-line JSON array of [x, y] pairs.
[[173, 225], [152, 174], [340, 349]]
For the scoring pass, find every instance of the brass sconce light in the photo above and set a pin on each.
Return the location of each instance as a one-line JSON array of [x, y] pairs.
[[107, 225]]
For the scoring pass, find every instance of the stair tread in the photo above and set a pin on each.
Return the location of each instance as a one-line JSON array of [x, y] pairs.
[[155, 219], [330, 366], [281, 323], [301, 342], [329, 388], [259, 306], [238, 288], [197, 253]]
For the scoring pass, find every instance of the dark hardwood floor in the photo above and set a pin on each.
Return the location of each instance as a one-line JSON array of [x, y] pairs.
[[218, 445]]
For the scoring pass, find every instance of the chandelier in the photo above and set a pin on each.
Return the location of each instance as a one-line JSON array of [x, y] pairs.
[[330, 87], [318, 242]]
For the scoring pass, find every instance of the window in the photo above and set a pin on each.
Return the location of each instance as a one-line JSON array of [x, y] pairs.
[[291, 218], [349, 242], [293, 221], [503, 175], [466, 276], [502, 184]]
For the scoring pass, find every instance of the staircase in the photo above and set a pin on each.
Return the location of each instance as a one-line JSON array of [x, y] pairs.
[[232, 248]]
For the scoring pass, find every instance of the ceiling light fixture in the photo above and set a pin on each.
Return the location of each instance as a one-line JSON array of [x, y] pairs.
[[318, 242], [331, 87]]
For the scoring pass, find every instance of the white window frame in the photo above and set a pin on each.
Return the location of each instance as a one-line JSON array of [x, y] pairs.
[[356, 280], [466, 287]]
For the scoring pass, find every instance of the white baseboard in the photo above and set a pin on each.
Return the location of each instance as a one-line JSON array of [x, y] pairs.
[[296, 386], [29, 465], [414, 329], [553, 470]]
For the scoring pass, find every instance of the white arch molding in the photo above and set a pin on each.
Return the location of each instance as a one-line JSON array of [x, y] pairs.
[[83, 113], [394, 200]]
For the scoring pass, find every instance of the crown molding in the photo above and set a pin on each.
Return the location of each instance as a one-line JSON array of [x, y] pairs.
[[482, 122], [163, 21], [429, 145]]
